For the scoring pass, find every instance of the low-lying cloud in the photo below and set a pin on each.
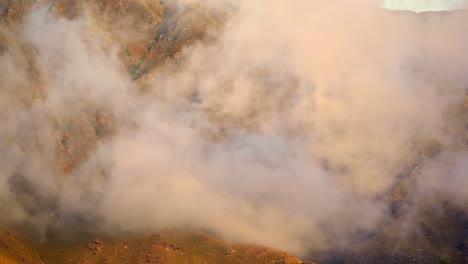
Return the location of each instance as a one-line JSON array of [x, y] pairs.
[[287, 130]]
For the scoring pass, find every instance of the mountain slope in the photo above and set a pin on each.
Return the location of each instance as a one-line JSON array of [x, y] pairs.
[[167, 248]]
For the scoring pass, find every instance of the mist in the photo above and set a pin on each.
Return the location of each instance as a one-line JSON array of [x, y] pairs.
[[289, 128]]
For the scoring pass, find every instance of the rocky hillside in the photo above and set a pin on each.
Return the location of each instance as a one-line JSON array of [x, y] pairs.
[[63, 99], [175, 247], [148, 34]]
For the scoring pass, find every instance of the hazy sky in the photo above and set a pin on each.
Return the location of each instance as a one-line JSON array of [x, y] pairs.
[[425, 5]]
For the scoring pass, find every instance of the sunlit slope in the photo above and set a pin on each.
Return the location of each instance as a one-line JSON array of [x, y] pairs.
[[151, 38], [166, 248], [15, 249]]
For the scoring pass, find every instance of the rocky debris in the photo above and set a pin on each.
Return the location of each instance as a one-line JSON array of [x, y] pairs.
[[230, 252], [95, 247], [97, 251]]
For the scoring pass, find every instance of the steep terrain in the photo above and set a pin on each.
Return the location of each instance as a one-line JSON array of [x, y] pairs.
[[150, 39], [148, 33], [176, 247]]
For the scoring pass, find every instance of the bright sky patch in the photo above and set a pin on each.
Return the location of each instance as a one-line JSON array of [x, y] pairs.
[[425, 5]]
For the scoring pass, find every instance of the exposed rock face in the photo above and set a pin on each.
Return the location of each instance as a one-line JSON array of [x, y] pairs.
[[75, 140], [148, 33]]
